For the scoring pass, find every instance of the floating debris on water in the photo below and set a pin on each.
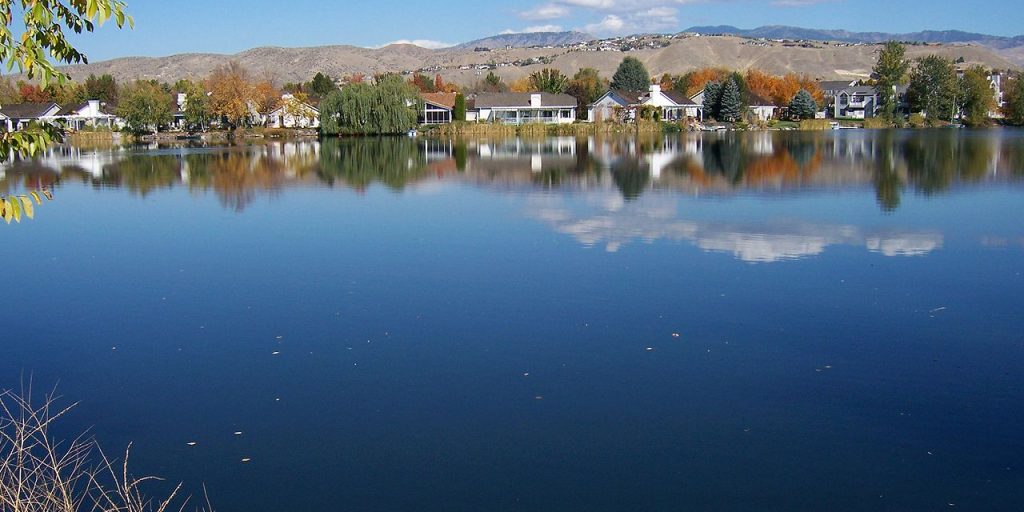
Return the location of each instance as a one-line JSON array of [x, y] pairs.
[[274, 353], [675, 335], [238, 433], [650, 349], [191, 443], [247, 459]]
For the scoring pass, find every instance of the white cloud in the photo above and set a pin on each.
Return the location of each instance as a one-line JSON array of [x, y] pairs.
[[609, 25], [545, 12], [422, 43], [534, 29]]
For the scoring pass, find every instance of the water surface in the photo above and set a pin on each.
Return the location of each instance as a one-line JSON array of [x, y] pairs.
[[768, 321]]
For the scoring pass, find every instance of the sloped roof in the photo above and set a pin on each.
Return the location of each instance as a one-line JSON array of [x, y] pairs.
[[754, 100], [522, 100], [27, 110], [679, 98], [441, 99], [835, 85], [76, 108]]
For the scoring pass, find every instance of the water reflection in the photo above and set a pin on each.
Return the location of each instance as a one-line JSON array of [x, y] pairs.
[[892, 162]]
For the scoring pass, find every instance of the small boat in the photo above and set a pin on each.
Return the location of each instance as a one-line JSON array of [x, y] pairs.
[[411, 132]]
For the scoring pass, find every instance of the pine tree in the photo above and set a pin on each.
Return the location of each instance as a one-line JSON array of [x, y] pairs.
[[712, 99], [802, 106], [459, 112], [631, 76], [731, 109]]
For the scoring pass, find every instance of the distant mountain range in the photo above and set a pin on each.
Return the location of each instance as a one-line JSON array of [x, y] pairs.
[[930, 36], [527, 40]]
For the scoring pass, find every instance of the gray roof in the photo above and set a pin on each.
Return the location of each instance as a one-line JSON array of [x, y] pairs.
[[679, 98], [522, 100], [835, 85], [860, 89], [76, 108], [26, 110]]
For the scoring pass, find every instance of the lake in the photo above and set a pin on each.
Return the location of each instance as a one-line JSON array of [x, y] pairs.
[[738, 321]]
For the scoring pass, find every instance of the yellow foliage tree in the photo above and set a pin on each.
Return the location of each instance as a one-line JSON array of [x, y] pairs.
[[232, 95]]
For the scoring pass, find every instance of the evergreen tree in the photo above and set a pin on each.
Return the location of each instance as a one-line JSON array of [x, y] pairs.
[[631, 76], [712, 99], [731, 109], [322, 85], [803, 106], [890, 71], [459, 112]]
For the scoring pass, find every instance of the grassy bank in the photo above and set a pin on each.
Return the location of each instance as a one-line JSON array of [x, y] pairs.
[[549, 130]]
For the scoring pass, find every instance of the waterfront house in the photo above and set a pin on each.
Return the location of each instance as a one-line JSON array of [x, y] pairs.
[[762, 109], [524, 108], [438, 108], [87, 114], [18, 115], [292, 113], [623, 105], [856, 102]]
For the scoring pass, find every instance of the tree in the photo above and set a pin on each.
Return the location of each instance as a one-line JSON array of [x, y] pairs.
[[231, 93], [265, 96], [712, 99], [977, 97], [933, 87], [802, 106], [731, 106], [423, 83], [389, 106], [32, 93], [890, 71], [631, 76], [41, 47], [459, 112], [103, 88], [492, 83], [549, 80], [586, 86], [144, 106], [9, 93], [322, 85], [197, 104], [1014, 98]]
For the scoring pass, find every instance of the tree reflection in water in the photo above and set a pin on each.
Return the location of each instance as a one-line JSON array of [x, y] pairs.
[[892, 162]]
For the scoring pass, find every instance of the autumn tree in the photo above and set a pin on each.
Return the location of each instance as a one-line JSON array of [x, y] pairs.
[[33, 39], [422, 83], [631, 76], [890, 71], [103, 88], [231, 93], [523, 84], [265, 96], [32, 93], [977, 98], [144, 106], [9, 93], [586, 86], [549, 80]]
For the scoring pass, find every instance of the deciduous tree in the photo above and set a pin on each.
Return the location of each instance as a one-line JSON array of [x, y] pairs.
[[1013, 109], [890, 71], [933, 87], [144, 106], [977, 98], [586, 86], [231, 93], [103, 88], [549, 80]]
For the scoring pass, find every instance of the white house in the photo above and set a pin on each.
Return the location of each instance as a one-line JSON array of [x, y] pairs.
[[293, 113], [762, 109], [90, 113], [524, 108], [18, 115], [673, 106]]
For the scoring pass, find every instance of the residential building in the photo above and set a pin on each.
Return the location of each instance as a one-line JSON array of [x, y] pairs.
[[438, 108], [292, 113], [524, 108], [622, 105], [18, 115], [762, 109], [90, 113]]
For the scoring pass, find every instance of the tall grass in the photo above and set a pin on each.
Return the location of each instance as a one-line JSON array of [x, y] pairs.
[[39, 473]]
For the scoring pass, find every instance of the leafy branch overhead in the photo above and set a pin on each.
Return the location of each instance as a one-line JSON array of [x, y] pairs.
[[44, 45]]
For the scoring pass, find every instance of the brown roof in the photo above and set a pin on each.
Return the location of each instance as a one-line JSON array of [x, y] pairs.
[[678, 97], [441, 99], [26, 110]]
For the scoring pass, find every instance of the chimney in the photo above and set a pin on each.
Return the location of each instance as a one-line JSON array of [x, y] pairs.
[[181, 99], [94, 105], [535, 100], [655, 88]]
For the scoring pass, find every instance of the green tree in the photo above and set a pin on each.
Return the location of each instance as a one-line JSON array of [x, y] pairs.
[[549, 80], [890, 71], [731, 109], [712, 99], [933, 87], [976, 96], [1014, 99], [389, 106], [43, 45], [103, 88], [322, 85], [492, 83], [803, 106], [631, 76], [197, 104], [459, 112], [144, 106]]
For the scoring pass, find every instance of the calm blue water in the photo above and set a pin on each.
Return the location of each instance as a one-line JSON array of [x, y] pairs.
[[727, 322]]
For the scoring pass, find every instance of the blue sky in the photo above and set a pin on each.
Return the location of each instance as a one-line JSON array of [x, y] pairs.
[[230, 26]]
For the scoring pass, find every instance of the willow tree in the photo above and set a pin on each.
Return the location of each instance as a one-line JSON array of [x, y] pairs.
[[389, 106], [36, 44]]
